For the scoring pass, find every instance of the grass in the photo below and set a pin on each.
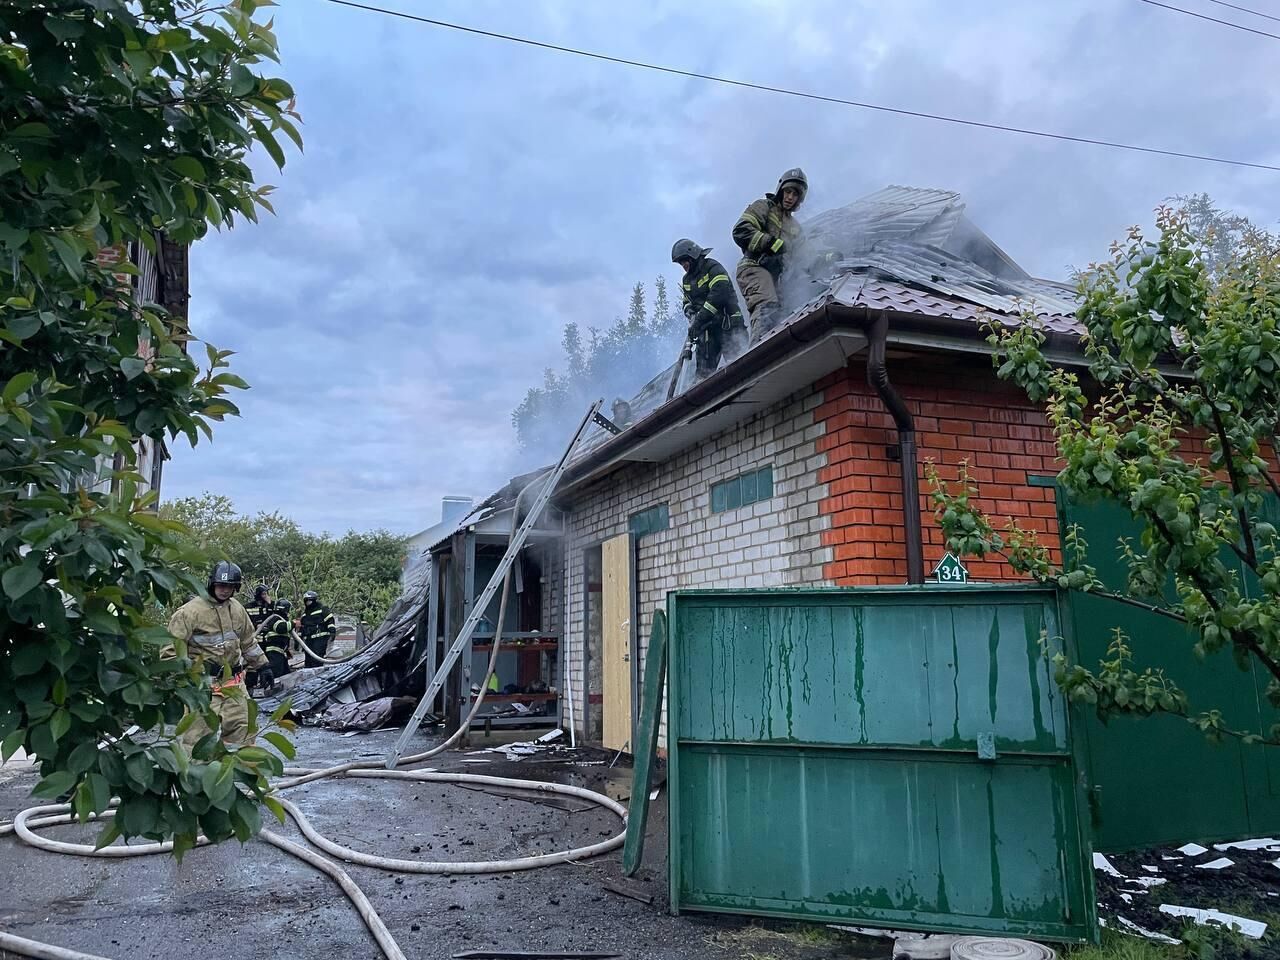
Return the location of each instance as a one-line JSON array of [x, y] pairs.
[[1118, 946], [755, 942]]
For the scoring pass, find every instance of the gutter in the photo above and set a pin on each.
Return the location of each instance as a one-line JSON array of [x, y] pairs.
[[878, 378]]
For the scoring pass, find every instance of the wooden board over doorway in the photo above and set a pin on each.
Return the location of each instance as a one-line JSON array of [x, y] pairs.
[[616, 644]]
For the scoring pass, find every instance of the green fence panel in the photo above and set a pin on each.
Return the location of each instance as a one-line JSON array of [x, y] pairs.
[[890, 756], [1223, 791]]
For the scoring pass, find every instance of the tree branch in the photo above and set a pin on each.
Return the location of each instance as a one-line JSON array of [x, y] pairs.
[[1250, 554]]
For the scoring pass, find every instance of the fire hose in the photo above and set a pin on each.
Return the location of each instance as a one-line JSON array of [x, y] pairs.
[[28, 821]]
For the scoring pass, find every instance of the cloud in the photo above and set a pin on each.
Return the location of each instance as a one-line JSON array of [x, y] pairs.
[[462, 198]]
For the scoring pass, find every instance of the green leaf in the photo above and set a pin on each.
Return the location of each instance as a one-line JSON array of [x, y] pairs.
[[22, 326], [59, 724], [30, 131], [83, 758], [276, 807], [132, 366], [9, 746], [108, 836], [242, 80], [281, 743], [100, 791], [268, 141], [189, 167], [64, 28], [20, 580], [71, 258], [19, 385], [55, 784]]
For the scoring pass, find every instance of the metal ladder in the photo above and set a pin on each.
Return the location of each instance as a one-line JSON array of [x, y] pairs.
[[481, 603]]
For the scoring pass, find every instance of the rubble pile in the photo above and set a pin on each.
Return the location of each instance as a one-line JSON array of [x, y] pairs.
[[1158, 893]]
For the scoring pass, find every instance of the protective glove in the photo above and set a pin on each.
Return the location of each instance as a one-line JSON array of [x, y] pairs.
[[266, 677]]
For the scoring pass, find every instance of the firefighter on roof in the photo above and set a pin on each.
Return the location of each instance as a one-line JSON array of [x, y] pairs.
[[710, 305], [768, 234]]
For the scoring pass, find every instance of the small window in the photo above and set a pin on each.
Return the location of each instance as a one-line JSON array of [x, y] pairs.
[[744, 489], [650, 521]]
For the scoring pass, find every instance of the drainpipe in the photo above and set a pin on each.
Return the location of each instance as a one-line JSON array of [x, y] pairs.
[[878, 377]]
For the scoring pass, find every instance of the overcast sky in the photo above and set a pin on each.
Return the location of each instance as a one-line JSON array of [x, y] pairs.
[[461, 198]]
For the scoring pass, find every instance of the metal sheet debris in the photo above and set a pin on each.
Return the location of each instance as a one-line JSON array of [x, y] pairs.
[[1254, 929], [1100, 862], [1262, 843], [1148, 934], [1192, 849], [1220, 864]]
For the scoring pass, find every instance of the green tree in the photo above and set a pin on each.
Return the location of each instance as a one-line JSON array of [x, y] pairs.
[[1182, 341], [357, 575], [118, 119], [614, 363]]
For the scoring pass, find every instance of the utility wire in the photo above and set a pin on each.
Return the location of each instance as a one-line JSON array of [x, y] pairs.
[[1204, 16], [1256, 13], [674, 71]]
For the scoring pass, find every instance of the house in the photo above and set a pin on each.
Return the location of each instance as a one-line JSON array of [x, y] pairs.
[[785, 467]]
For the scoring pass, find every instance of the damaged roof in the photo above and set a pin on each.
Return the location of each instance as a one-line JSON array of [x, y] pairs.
[[396, 628]]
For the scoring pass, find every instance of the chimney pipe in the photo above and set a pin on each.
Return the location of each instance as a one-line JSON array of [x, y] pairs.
[[878, 377]]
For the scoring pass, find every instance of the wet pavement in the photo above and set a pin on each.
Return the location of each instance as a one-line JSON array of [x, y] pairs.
[[254, 901]]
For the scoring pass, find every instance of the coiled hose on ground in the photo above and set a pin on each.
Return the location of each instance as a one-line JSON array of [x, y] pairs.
[[27, 822]]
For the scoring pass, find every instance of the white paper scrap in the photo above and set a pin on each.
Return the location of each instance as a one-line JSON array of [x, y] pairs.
[[1260, 844], [1102, 863], [1150, 869], [1220, 864], [1255, 929], [1127, 897], [1193, 849], [1144, 932], [654, 796]]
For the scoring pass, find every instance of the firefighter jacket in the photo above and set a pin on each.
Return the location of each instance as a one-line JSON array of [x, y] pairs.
[[709, 297], [217, 634], [767, 234], [318, 622], [274, 635], [260, 612]]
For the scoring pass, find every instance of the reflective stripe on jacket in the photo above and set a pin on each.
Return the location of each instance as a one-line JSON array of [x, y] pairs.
[[709, 297], [766, 234]]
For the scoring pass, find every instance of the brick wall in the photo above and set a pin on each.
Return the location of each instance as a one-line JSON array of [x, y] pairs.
[[962, 413], [835, 517], [775, 542]]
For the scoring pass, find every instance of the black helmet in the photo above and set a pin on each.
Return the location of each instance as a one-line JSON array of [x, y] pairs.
[[794, 177], [687, 250], [260, 592], [283, 606], [310, 597], [224, 571]]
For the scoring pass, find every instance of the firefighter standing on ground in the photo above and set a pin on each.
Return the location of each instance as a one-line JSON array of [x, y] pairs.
[[277, 637], [316, 627], [710, 305], [768, 235], [260, 608], [220, 637]]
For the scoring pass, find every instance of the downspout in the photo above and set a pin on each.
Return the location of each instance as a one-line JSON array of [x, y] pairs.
[[878, 377]]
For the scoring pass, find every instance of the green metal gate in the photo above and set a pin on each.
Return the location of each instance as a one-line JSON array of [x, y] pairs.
[[1224, 791], [891, 756]]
